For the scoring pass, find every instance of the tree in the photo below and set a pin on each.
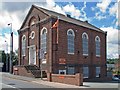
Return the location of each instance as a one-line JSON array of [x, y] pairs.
[[15, 57]]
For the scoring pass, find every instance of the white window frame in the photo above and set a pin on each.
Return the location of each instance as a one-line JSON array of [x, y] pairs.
[[44, 28], [23, 47], [62, 71], [96, 45], [32, 21], [32, 37], [87, 43], [73, 35]]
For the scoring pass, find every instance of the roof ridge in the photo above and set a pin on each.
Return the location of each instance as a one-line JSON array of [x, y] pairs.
[[68, 19], [47, 9]]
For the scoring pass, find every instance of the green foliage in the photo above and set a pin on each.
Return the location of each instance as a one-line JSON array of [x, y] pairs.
[[14, 57], [116, 72], [2, 56], [112, 61]]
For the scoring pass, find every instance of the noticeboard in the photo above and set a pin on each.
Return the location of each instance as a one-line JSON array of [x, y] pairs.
[[62, 61]]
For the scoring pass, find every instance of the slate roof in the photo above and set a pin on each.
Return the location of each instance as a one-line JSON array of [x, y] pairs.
[[65, 18]]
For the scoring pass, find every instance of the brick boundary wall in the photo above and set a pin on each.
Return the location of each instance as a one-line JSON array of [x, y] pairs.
[[20, 70], [76, 79]]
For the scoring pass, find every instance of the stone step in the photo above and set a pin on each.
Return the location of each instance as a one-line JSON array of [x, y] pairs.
[[35, 71]]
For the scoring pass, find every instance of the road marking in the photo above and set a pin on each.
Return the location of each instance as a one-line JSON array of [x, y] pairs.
[[9, 86]]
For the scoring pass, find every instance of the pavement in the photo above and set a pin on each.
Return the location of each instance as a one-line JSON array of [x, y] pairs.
[[61, 85], [39, 81]]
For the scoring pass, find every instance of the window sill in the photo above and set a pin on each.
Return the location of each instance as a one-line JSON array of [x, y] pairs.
[[71, 53], [44, 61], [85, 54], [97, 55]]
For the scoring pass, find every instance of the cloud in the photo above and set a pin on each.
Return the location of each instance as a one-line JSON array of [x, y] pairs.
[[100, 16], [114, 10], [15, 18], [50, 3], [103, 5], [84, 16], [19, 6], [112, 41], [70, 8], [6, 45]]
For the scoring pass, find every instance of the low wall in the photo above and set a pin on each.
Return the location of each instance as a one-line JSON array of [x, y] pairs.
[[76, 79], [20, 70]]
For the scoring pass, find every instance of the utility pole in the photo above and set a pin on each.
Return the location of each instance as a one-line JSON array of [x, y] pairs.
[[6, 49], [11, 48]]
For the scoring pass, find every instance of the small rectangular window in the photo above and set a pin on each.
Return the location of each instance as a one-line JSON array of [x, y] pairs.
[[71, 70], [97, 71], [85, 72], [62, 71]]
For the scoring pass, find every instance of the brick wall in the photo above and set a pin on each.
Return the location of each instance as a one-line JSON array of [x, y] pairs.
[[77, 60], [76, 79], [20, 70]]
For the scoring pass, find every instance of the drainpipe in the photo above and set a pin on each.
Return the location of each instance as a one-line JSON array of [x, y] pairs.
[[39, 39]]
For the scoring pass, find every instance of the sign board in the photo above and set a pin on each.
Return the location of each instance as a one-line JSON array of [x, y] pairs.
[[62, 61], [61, 77], [41, 54]]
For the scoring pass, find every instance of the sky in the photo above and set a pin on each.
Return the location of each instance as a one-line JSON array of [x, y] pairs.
[[100, 13]]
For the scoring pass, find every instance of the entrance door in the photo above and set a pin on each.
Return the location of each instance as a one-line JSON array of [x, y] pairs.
[[32, 56]]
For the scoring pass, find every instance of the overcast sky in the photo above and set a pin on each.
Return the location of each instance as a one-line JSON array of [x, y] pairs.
[[102, 14]]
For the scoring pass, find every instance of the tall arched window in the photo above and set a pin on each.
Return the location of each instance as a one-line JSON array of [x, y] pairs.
[[44, 39], [85, 43], [70, 38], [97, 41], [23, 45]]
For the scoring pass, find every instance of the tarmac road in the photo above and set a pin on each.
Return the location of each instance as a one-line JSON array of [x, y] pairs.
[[19, 84], [16, 82]]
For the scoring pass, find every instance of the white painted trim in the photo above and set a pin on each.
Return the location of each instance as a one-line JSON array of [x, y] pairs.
[[85, 34], [62, 71], [71, 31], [85, 54], [71, 53], [31, 35], [23, 37], [98, 38], [30, 46], [44, 28], [97, 55], [34, 49]]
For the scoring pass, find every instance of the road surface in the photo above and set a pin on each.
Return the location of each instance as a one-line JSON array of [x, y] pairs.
[[15, 84]]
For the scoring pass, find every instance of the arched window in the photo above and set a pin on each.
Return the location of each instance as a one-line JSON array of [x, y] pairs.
[[70, 38], [44, 39], [97, 41], [85, 43], [23, 45], [32, 21]]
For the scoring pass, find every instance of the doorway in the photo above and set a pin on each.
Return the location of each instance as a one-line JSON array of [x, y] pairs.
[[32, 56]]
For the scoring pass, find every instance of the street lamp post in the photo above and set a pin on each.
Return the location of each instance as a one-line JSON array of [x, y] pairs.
[[11, 47]]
